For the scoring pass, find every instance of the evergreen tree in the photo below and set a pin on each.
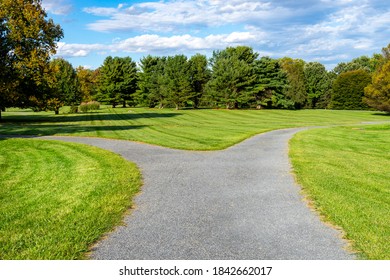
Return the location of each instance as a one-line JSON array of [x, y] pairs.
[[270, 83], [199, 75], [118, 80], [318, 84], [233, 77], [177, 80], [151, 88]]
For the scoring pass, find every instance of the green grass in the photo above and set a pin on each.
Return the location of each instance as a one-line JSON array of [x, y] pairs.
[[184, 129], [345, 171], [57, 199]]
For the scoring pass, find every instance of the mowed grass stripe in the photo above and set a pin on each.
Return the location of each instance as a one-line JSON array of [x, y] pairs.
[[203, 129], [345, 171], [57, 199]]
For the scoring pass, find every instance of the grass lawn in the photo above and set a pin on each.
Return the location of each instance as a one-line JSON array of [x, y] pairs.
[[184, 129], [345, 171], [57, 199]]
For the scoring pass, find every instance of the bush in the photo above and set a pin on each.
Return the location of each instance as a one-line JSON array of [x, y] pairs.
[[89, 106], [74, 109]]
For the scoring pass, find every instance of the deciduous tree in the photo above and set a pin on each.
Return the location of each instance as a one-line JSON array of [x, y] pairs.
[[295, 91], [27, 40], [377, 94], [348, 90]]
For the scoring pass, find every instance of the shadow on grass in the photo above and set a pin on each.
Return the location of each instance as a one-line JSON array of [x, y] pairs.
[[45, 130], [95, 116]]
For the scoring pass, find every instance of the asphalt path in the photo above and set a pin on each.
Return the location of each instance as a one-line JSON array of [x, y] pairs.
[[239, 203]]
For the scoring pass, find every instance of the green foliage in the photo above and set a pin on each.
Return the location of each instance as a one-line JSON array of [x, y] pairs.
[[63, 84], [318, 85], [88, 82], [377, 94], [199, 75], [233, 77], [176, 79], [295, 91], [348, 90], [150, 82], [27, 40], [118, 80], [270, 83]]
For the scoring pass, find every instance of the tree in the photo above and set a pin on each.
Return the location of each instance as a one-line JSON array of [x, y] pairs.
[[63, 85], [150, 82], [348, 90], [377, 94], [88, 81], [177, 80], [318, 84], [27, 40], [233, 77], [270, 83], [199, 75], [295, 91], [118, 80]]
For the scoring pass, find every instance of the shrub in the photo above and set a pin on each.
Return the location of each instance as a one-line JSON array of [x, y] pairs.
[[89, 106], [73, 109]]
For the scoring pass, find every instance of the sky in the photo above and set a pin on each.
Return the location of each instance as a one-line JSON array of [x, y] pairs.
[[326, 31]]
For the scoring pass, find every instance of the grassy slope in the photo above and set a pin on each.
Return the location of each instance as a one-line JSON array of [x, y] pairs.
[[185, 129], [57, 198], [346, 172]]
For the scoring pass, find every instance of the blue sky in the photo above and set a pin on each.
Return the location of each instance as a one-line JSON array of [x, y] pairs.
[[327, 31]]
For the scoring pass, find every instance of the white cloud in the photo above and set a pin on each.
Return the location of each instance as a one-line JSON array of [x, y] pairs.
[[160, 44], [173, 15], [57, 7]]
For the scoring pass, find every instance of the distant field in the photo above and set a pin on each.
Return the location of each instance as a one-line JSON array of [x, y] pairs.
[[345, 171], [57, 198], [184, 129]]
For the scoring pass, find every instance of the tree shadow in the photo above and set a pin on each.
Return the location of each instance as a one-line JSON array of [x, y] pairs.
[[95, 116], [46, 130]]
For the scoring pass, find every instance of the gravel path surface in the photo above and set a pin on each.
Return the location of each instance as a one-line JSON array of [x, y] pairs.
[[239, 203]]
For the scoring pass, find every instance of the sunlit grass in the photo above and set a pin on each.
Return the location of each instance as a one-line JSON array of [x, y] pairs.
[[57, 199], [184, 129], [345, 171]]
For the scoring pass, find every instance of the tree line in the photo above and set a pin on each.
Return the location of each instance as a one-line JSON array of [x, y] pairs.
[[233, 78]]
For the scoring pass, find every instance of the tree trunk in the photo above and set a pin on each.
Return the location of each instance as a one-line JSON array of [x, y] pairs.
[[124, 103], [0, 114], [57, 111]]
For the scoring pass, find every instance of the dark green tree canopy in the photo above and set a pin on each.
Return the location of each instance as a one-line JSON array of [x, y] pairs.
[[233, 77], [118, 80], [348, 90]]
